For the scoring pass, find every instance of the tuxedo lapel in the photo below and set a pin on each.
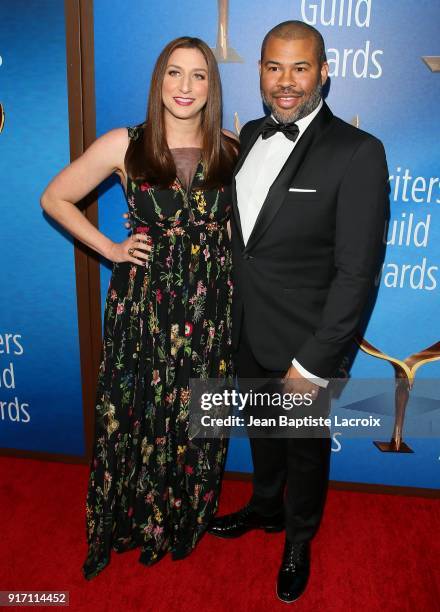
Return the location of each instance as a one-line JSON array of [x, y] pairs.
[[244, 153], [279, 187], [236, 212]]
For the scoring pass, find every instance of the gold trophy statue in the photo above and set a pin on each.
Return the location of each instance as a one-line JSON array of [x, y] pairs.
[[223, 52], [237, 124], [405, 373], [2, 117], [433, 62]]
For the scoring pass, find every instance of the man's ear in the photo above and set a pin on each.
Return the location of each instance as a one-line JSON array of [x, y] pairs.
[[324, 73], [259, 67]]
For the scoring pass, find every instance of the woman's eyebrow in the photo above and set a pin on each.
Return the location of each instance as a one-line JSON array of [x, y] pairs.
[[180, 68]]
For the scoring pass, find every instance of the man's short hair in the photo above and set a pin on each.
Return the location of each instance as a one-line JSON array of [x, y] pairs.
[[295, 30]]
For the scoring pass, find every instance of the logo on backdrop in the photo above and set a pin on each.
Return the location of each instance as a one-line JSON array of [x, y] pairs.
[[410, 231], [405, 371], [433, 62], [361, 63], [11, 346], [223, 52]]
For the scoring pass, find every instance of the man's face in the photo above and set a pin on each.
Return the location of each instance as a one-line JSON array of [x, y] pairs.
[[291, 78]]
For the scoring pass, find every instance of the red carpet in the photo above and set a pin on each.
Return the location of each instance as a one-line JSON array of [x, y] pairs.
[[373, 553]]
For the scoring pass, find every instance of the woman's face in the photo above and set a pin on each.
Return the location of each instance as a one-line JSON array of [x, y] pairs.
[[185, 84]]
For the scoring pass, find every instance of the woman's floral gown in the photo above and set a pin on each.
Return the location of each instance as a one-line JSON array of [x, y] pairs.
[[151, 486]]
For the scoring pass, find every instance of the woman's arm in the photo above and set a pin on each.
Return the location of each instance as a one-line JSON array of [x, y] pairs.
[[100, 160]]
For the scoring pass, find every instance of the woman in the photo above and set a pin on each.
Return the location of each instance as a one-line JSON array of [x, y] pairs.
[[167, 314]]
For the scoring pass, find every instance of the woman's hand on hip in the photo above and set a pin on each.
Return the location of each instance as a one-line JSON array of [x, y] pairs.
[[135, 249]]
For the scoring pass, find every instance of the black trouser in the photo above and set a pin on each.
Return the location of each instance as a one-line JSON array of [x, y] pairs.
[[300, 463]]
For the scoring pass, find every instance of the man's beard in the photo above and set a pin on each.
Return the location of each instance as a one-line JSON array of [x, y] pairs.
[[302, 110]]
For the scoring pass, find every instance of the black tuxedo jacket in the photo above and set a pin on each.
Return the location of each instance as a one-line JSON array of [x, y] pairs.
[[303, 278]]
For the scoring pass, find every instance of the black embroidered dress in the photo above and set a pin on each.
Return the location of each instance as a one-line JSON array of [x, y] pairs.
[[150, 486]]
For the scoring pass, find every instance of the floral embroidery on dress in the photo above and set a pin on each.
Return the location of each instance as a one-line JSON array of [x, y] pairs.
[[150, 486]]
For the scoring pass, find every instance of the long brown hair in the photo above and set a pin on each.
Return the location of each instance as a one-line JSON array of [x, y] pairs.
[[148, 157]]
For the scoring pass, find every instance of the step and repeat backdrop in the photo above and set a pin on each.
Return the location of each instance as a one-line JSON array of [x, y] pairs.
[[40, 385], [385, 79], [384, 60]]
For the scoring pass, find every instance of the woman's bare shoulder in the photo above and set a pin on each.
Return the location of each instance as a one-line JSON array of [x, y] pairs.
[[113, 144], [118, 139]]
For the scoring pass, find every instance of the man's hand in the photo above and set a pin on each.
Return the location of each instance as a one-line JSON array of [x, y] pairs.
[[294, 382]]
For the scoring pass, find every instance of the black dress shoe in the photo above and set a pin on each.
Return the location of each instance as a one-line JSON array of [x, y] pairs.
[[294, 571], [236, 524]]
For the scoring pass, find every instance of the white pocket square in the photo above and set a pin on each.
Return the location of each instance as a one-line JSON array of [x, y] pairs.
[[298, 190]]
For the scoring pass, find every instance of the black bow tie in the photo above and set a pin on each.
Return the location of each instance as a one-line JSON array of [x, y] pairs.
[[271, 127]]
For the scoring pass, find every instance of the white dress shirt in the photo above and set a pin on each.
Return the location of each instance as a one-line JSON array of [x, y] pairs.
[[253, 181]]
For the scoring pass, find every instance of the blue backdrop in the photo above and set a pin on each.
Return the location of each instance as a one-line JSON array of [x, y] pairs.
[[40, 387], [378, 81]]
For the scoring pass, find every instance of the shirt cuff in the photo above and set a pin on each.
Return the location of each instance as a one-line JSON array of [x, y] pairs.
[[321, 382]]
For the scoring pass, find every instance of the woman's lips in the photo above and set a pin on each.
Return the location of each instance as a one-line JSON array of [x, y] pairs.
[[184, 101]]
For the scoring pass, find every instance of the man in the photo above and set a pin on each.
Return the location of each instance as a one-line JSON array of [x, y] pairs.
[[310, 205]]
